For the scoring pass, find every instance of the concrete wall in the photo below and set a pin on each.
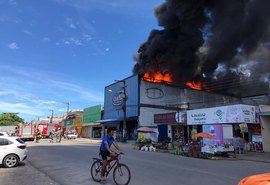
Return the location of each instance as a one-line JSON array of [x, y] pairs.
[[146, 118], [158, 98], [171, 96]]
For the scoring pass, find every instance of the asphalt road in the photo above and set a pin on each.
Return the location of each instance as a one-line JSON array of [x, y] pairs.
[[69, 164]]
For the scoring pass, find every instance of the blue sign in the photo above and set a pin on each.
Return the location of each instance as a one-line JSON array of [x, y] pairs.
[[115, 97]]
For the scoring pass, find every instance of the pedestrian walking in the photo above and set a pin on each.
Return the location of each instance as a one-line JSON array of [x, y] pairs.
[[51, 137]]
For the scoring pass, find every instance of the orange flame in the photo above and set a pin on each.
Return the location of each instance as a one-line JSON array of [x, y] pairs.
[[195, 85], [157, 77]]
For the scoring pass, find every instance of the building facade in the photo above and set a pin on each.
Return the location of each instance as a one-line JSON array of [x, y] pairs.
[[143, 102], [91, 129]]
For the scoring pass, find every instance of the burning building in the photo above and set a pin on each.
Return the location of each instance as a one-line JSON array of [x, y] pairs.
[[219, 47], [157, 104], [216, 46], [209, 54]]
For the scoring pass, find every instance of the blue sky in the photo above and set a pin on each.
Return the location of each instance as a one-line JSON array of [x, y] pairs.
[[56, 51]]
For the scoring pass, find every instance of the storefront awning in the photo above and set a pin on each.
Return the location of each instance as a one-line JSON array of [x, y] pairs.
[[107, 120], [91, 124], [115, 120], [265, 113]]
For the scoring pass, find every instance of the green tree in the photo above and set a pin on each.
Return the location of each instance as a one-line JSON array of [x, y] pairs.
[[8, 119]]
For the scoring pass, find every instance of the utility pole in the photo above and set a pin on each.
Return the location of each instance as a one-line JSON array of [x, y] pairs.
[[67, 103], [51, 115], [124, 107]]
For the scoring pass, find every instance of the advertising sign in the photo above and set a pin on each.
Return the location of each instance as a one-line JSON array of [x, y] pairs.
[[91, 114], [174, 117], [216, 131], [225, 114]]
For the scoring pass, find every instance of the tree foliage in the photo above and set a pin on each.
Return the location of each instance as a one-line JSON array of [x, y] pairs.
[[9, 119]]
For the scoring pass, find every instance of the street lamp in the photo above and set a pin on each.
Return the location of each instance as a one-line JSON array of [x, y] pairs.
[[124, 107], [51, 115]]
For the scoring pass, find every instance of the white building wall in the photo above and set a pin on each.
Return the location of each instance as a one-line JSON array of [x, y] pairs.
[[265, 128], [156, 94], [265, 124], [146, 118], [159, 94]]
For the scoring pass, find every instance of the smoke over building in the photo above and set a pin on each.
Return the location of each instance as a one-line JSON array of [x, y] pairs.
[[222, 44]]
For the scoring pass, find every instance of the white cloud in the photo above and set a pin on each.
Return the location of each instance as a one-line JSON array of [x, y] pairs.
[[72, 26], [77, 89], [17, 70], [13, 45], [107, 49], [76, 41], [70, 23], [73, 41], [12, 2], [27, 32], [19, 107], [122, 7], [87, 37], [10, 19], [39, 92], [45, 39]]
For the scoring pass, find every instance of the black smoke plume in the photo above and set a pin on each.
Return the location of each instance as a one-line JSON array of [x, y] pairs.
[[223, 43]]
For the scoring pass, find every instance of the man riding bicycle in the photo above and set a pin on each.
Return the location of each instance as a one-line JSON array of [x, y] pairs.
[[105, 150]]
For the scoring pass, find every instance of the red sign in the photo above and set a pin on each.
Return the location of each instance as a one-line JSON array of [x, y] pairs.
[[165, 118]]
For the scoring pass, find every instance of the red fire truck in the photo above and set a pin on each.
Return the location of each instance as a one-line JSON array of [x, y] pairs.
[[46, 128], [26, 131]]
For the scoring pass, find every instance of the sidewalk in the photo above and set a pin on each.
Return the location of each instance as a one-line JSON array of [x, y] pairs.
[[88, 140], [65, 142], [248, 156], [254, 156]]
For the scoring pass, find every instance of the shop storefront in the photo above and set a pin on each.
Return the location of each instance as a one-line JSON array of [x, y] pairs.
[[121, 106], [226, 123], [172, 125], [90, 116]]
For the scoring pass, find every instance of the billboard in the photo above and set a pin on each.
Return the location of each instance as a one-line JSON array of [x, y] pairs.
[[91, 114], [225, 114]]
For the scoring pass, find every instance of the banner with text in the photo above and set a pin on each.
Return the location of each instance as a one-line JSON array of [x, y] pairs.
[[226, 114]]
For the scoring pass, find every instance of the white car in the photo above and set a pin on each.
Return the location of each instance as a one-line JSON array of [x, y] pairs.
[[12, 151], [71, 135], [4, 134]]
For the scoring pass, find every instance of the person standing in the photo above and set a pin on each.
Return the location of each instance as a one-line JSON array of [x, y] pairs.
[[38, 136]]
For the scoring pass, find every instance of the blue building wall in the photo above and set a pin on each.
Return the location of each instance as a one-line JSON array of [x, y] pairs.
[[113, 101]]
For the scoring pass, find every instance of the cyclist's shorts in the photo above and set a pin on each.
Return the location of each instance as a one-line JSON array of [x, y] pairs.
[[104, 154]]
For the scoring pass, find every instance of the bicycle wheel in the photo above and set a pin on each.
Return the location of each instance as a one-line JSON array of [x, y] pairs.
[[96, 170], [121, 174]]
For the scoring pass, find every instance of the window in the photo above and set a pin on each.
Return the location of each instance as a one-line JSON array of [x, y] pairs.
[[4, 142], [20, 141]]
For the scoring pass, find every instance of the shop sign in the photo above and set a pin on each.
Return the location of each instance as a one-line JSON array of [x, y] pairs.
[[225, 114], [175, 117], [118, 99], [243, 128]]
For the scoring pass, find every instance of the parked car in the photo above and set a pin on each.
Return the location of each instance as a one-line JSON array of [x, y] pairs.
[[12, 151], [71, 135], [4, 134]]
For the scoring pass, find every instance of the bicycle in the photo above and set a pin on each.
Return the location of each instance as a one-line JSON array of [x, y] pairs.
[[121, 172]]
